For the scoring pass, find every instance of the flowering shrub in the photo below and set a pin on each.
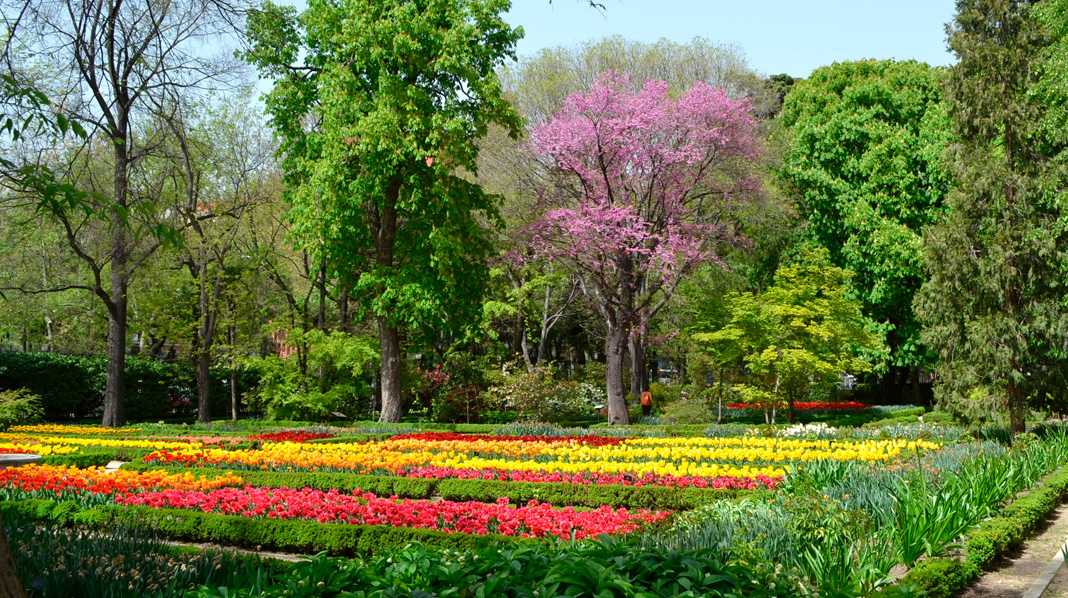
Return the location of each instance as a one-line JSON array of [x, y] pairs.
[[538, 396], [532, 520], [298, 436]]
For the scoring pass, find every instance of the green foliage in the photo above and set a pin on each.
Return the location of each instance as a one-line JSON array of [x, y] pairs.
[[401, 91], [286, 535], [693, 410], [566, 493], [19, 406], [96, 457], [538, 396], [864, 149], [605, 568], [938, 577], [802, 333], [329, 374], [993, 308], [119, 564], [72, 387]]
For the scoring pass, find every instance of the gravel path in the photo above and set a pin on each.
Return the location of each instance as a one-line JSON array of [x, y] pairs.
[[1012, 576]]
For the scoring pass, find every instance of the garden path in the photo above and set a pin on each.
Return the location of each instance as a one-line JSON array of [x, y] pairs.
[[1015, 574]]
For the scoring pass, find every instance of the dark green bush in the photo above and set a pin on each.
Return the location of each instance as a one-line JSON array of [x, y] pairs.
[[939, 577], [96, 457], [72, 388]]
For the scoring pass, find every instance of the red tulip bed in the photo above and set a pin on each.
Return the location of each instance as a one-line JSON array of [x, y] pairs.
[[291, 436], [809, 406], [595, 479], [532, 520], [453, 436]]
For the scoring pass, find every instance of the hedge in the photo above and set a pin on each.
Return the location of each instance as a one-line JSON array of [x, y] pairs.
[[564, 493], [308, 537], [945, 577], [555, 493], [72, 387], [96, 456]]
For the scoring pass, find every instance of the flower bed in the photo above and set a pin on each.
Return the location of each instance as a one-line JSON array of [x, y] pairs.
[[532, 520], [590, 440], [61, 482], [291, 436], [662, 461], [808, 406]]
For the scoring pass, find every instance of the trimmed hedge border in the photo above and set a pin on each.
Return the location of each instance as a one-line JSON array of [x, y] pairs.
[[96, 456], [943, 577], [306, 537], [555, 493]]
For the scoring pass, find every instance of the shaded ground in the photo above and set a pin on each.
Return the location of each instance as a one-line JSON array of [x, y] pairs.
[[1014, 575]]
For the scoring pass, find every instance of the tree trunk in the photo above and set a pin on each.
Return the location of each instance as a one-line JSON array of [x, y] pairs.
[[1016, 409], [917, 391], [615, 347], [10, 584], [639, 375], [389, 338], [343, 310], [115, 386], [204, 387], [233, 373]]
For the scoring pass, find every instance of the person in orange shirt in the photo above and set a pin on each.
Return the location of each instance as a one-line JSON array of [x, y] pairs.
[[647, 403]]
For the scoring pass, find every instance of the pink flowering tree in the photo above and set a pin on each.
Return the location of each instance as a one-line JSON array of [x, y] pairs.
[[638, 178]]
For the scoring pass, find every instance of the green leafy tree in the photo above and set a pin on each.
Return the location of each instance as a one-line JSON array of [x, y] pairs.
[[864, 146], [993, 308], [802, 333], [378, 106]]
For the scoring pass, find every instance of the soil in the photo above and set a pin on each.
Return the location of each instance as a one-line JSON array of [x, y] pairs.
[[1010, 577]]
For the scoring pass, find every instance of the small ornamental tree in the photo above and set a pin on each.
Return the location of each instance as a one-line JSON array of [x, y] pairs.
[[803, 332], [637, 178]]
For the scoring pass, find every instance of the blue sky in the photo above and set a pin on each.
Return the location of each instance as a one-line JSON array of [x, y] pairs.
[[777, 36]]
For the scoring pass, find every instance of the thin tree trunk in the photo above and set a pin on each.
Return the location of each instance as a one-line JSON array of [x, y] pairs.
[[1016, 409], [204, 386], [639, 376], [115, 385], [615, 347], [389, 337]]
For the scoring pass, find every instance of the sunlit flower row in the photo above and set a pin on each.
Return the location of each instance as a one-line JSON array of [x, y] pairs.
[[70, 429], [62, 482], [676, 457], [532, 520], [43, 444]]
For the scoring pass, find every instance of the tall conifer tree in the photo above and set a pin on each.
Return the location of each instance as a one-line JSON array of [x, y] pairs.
[[993, 305]]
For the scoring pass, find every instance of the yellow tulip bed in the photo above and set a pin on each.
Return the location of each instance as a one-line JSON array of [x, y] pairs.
[[44, 445], [65, 429], [436, 455]]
